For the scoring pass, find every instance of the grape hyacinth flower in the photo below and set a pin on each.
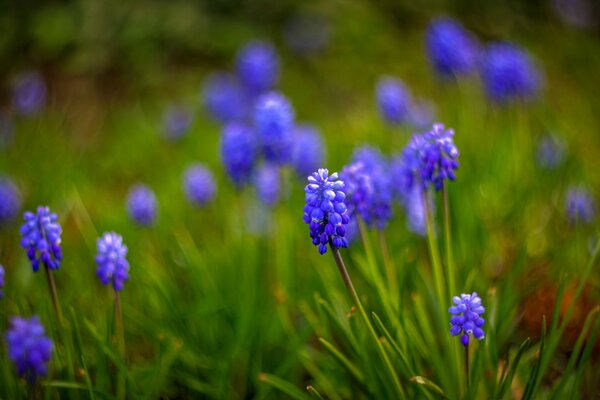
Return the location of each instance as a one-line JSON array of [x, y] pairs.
[[10, 200], [466, 317], [177, 121], [199, 185], [112, 264], [393, 100], [421, 114], [580, 205], [508, 73], [238, 152], [28, 347], [274, 122], [308, 151], [223, 98], [358, 189], [440, 156], [29, 93], [257, 66], [41, 238], [550, 152], [325, 211], [267, 184], [451, 49], [141, 204], [414, 204], [1, 281]]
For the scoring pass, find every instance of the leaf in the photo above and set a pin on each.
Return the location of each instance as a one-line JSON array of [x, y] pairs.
[[508, 378], [419, 380], [344, 361], [391, 341], [533, 377], [283, 386], [314, 392]]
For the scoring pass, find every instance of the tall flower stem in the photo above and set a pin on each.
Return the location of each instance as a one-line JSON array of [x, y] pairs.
[[54, 295], [348, 282], [467, 366], [448, 239], [434, 252], [390, 269], [120, 342]]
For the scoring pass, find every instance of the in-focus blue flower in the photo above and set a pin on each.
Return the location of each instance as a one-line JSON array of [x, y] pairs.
[[1, 281], [580, 205], [308, 151], [258, 66], [451, 50], [223, 98], [508, 73], [199, 185], [550, 152], [41, 238], [28, 347], [10, 200], [358, 189], [267, 184], [238, 152], [112, 264], [325, 211], [393, 100], [466, 317], [177, 121], [29, 93], [141, 204], [274, 123], [440, 157]]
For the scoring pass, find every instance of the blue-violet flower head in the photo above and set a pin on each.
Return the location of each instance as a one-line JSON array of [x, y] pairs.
[[238, 152], [551, 151], [29, 93], [112, 264], [267, 184], [223, 98], [199, 185], [308, 151], [466, 317], [393, 100], [452, 51], [10, 200], [177, 121], [580, 205], [141, 204], [274, 122], [40, 236], [440, 157], [28, 347], [257, 66], [1, 281]]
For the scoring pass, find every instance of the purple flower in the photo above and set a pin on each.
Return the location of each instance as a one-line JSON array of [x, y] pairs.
[[199, 185], [238, 152], [508, 73], [274, 123], [41, 238], [177, 121], [414, 204], [325, 211], [223, 98], [308, 151], [257, 66], [580, 205], [439, 160], [466, 317], [267, 184], [10, 200], [393, 100], [451, 49], [358, 189], [28, 347], [141, 204], [29, 93], [550, 152], [421, 114], [112, 264], [1, 281]]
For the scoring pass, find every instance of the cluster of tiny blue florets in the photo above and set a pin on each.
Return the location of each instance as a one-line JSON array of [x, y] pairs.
[[451, 49], [393, 100], [28, 347], [199, 184], [142, 204], [358, 189], [267, 184], [238, 152], [112, 264], [177, 121], [41, 238], [466, 317], [274, 122], [551, 151], [29, 93], [308, 151], [580, 205], [1, 281], [258, 66], [325, 211], [10, 200], [440, 156], [224, 98]]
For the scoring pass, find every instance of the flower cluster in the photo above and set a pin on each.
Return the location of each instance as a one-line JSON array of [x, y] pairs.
[[393, 100], [308, 151], [258, 66], [224, 98], [41, 238], [451, 49], [358, 189], [112, 264], [466, 317], [28, 347], [440, 156], [29, 93], [10, 200], [274, 122], [141, 204], [199, 184], [267, 184], [325, 211], [550, 151], [1, 281], [238, 152], [177, 121], [580, 205]]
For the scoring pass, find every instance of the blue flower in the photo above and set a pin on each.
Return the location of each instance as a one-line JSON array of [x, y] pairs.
[[10, 200], [112, 264], [550, 152], [466, 317], [267, 184], [414, 204], [358, 189], [393, 100], [580, 205], [439, 156], [28, 347], [450, 48], [308, 151], [141, 204], [41, 238], [177, 121], [325, 211], [29, 93], [258, 66], [1, 281], [274, 123], [508, 73], [238, 152], [223, 98], [421, 114], [199, 185]]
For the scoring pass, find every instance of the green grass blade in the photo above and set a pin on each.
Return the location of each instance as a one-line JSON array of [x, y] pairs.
[[421, 381], [283, 386], [512, 369], [80, 351], [344, 362], [314, 392], [533, 377]]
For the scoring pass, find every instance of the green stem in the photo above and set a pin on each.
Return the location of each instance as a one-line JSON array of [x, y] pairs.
[[436, 265], [54, 295], [448, 239], [467, 366], [121, 344], [348, 282], [390, 269]]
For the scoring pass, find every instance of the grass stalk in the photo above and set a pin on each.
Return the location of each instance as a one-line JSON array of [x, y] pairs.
[[450, 267], [436, 264], [120, 333], [54, 295]]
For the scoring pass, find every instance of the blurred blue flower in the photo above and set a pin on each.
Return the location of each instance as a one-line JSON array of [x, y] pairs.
[[141, 204], [10, 200], [223, 98], [177, 121], [551, 151], [421, 114], [238, 152], [440, 156], [308, 150], [393, 100], [451, 49], [358, 189], [199, 184], [274, 123], [41, 238], [258, 66], [325, 211], [414, 204], [1, 281], [580, 205], [267, 184], [466, 317], [508, 73], [29, 93], [112, 264], [28, 347]]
